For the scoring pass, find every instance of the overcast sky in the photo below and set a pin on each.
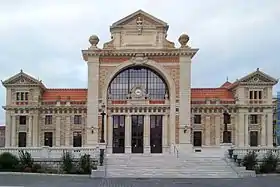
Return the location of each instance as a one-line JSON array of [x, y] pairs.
[[45, 38]]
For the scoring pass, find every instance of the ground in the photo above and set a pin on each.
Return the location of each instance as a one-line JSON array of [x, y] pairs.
[[57, 181]]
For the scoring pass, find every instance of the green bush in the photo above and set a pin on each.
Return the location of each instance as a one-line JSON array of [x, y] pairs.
[[250, 160], [269, 163], [26, 161], [101, 157], [36, 168], [8, 162], [67, 163], [85, 164]]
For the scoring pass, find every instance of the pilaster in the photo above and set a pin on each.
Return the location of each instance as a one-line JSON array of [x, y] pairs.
[[67, 131], [185, 100], [127, 134], [36, 130], [147, 147], [270, 129], [14, 131], [246, 130], [217, 130], [263, 130], [92, 100], [30, 131], [165, 131], [57, 131], [207, 130]]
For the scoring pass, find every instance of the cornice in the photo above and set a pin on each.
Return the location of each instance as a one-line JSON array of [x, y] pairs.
[[132, 52]]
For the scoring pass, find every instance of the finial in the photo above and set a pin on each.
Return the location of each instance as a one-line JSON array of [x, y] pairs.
[[93, 40], [183, 40], [21, 71], [258, 69], [227, 78]]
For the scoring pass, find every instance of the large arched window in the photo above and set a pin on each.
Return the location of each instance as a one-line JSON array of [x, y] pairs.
[[123, 83]]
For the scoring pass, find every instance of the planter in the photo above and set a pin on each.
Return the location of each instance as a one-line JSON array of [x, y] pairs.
[[234, 158], [230, 153], [239, 160]]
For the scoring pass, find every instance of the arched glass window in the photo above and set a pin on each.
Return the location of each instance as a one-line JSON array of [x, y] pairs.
[[124, 82]]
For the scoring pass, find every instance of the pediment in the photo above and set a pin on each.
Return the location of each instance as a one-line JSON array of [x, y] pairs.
[[140, 16], [22, 79], [258, 77]]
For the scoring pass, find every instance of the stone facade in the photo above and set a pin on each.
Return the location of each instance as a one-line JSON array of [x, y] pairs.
[[53, 116], [2, 136]]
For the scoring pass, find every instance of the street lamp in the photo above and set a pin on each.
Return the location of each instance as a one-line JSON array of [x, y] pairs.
[[102, 125]]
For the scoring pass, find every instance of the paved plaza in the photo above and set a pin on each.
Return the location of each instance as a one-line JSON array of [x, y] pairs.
[[58, 181]]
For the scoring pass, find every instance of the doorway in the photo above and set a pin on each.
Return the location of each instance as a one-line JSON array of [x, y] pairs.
[[118, 134], [253, 138], [156, 133], [137, 124], [197, 139]]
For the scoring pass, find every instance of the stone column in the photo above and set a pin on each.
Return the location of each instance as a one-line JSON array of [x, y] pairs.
[[35, 130], [236, 141], [165, 132], [246, 130], [147, 147], [8, 130], [217, 130], [57, 131], [30, 131], [207, 130], [241, 120], [14, 131], [185, 103], [92, 100], [127, 134], [67, 131], [263, 130], [269, 132]]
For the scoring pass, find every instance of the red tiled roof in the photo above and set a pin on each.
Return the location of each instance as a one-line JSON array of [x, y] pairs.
[[226, 84], [81, 94], [65, 94], [219, 93]]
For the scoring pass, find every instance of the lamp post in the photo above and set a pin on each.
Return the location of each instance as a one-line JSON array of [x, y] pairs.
[[102, 125]]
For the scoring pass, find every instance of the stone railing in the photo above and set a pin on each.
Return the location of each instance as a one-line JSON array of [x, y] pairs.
[[260, 151], [53, 152]]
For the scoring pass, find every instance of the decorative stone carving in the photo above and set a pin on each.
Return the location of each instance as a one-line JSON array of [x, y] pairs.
[[139, 23], [167, 43], [93, 40], [110, 44], [139, 59], [138, 92], [183, 40]]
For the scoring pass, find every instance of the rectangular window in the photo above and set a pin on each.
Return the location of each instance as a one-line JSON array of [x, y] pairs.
[[255, 94], [48, 139], [22, 96], [197, 119], [77, 139], [22, 120], [78, 119], [253, 119], [22, 139], [260, 94], [48, 120], [251, 94]]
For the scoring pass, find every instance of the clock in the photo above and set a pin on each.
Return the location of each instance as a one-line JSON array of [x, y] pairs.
[[138, 92]]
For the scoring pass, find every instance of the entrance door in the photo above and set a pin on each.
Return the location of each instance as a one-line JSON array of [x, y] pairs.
[[254, 138], [137, 124], [197, 138], [118, 134], [156, 134]]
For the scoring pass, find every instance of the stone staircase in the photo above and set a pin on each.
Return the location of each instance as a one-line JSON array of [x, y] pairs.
[[167, 166]]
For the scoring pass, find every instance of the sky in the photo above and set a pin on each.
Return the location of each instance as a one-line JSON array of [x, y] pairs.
[[45, 38]]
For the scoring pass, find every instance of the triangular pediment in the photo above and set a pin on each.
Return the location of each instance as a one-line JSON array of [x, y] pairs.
[[258, 77], [22, 79], [140, 15]]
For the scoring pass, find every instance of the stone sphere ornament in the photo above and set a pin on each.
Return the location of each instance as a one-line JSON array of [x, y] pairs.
[[93, 40], [183, 40]]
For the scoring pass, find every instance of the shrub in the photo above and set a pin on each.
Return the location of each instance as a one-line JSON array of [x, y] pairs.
[[250, 160], [85, 164], [8, 162], [269, 163], [36, 168], [101, 158], [26, 160], [67, 163]]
